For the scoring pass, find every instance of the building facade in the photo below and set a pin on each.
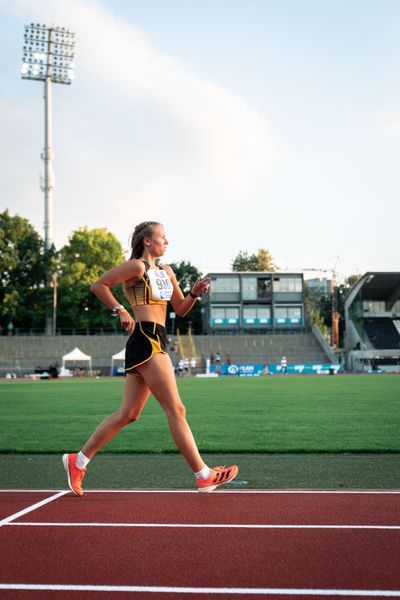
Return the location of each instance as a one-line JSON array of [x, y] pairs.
[[253, 301]]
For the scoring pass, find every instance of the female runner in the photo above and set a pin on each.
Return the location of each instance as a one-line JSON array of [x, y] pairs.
[[148, 367]]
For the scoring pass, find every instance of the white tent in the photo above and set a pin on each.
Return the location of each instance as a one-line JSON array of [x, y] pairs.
[[77, 355], [119, 356]]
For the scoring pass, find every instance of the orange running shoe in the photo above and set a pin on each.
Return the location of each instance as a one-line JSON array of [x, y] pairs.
[[218, 476], [74, 474]]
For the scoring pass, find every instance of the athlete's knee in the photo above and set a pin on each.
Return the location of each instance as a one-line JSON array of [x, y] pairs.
[[177, 410], [131, 419], [125, 418]]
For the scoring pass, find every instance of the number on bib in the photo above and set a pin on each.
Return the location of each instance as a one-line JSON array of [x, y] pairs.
[[161, 286]]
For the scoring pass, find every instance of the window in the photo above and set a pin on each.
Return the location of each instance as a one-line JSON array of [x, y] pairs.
[[232, 315], [288, 284], [225, 315], [256, 315], [280, 315], [225, 285], [249, 288], [263, 287], [374, 306], [263, 315], [249, 314], [294, 314], [288, 315]]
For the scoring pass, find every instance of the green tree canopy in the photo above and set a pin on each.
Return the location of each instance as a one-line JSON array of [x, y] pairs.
[[319, 305], [186, 274], [88, 254], [262, 261], [318, 308], [22, 273]]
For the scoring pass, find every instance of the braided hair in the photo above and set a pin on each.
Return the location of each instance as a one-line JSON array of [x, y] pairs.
[[141, 231]]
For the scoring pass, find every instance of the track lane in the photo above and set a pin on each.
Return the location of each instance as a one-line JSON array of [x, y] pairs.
[[149, 507], [273, 558], [278, 559], [10, 502]]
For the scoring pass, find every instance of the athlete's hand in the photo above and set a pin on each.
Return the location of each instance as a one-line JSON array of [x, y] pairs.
[[201, 286], [126, 321]]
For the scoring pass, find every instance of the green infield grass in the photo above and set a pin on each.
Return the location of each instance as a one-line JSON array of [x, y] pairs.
[[276, 414]]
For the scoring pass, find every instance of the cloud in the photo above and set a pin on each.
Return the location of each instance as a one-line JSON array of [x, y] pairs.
[[137, 135], [391, 122], [221, 138]]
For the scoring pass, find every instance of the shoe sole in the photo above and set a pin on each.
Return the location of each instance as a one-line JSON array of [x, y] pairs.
[[211, 488], [66, 467]]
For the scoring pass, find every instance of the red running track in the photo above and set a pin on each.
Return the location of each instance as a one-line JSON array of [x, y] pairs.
[[282, 541]]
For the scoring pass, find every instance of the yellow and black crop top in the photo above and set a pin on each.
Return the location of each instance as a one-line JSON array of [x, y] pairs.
[[155, 287]]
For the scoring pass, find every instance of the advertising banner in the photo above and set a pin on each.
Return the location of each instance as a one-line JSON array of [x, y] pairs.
[[241, 370], [257, 369]]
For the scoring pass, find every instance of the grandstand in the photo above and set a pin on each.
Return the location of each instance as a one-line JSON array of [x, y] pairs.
[[372, 318], [24, 354], [298, 347], [383, 333]]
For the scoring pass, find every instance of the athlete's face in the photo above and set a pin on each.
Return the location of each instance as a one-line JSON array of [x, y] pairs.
[[158, 241]]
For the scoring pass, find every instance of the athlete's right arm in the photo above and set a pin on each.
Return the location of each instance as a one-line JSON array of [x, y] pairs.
[[129, 271]]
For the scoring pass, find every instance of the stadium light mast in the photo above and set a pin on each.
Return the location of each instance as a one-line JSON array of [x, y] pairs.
[[48, 56]]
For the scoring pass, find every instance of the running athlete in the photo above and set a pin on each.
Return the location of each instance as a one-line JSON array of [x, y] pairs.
[[148, 288]]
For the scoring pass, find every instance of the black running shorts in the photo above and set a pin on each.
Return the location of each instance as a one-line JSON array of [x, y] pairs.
[[146, 340]]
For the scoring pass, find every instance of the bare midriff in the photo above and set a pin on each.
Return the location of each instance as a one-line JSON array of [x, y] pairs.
[[155, 313]]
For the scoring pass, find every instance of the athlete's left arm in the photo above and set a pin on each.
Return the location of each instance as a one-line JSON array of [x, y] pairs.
[[184, 304]]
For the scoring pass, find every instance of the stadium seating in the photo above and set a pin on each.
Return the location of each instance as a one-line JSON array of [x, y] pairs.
[[383, 332], [25, 354], [266, 349]]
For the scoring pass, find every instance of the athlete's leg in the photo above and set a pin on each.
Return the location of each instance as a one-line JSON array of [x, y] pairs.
[[159, 376], [136, 394]]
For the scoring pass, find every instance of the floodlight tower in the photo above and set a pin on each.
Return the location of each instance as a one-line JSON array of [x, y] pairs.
[[48, 56]]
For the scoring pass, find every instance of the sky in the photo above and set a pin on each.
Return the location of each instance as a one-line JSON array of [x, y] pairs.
[[238, 124]]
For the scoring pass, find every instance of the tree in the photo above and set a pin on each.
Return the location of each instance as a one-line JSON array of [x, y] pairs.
[[88, 254], [186, 274], [262, 261], [318, 308], [22, 273], [245, 262]]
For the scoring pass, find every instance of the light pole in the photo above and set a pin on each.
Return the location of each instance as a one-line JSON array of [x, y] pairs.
[[54, 285], [48, 56]]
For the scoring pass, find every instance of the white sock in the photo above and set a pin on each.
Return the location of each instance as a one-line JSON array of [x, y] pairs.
[[82, 460], [204, 473]]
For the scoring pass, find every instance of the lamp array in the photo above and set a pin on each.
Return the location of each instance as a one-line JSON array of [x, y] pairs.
[[48, 52]]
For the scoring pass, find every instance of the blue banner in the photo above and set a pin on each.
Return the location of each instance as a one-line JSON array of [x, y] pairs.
[[305, 368], [242, 370], [257, 369]]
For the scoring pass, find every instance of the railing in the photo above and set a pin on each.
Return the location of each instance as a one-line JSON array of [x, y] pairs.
[[67, 331], [117, 331]]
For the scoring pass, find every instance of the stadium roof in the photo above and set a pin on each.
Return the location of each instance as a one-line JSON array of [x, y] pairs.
[[380, 286], [376, 286]]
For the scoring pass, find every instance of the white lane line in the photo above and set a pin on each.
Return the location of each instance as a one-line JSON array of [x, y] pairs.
[[202, 590], [160, 491], [204, 525], [30, 491], [29, 509]]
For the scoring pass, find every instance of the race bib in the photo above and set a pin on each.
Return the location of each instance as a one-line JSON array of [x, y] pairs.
[[161, 286]]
